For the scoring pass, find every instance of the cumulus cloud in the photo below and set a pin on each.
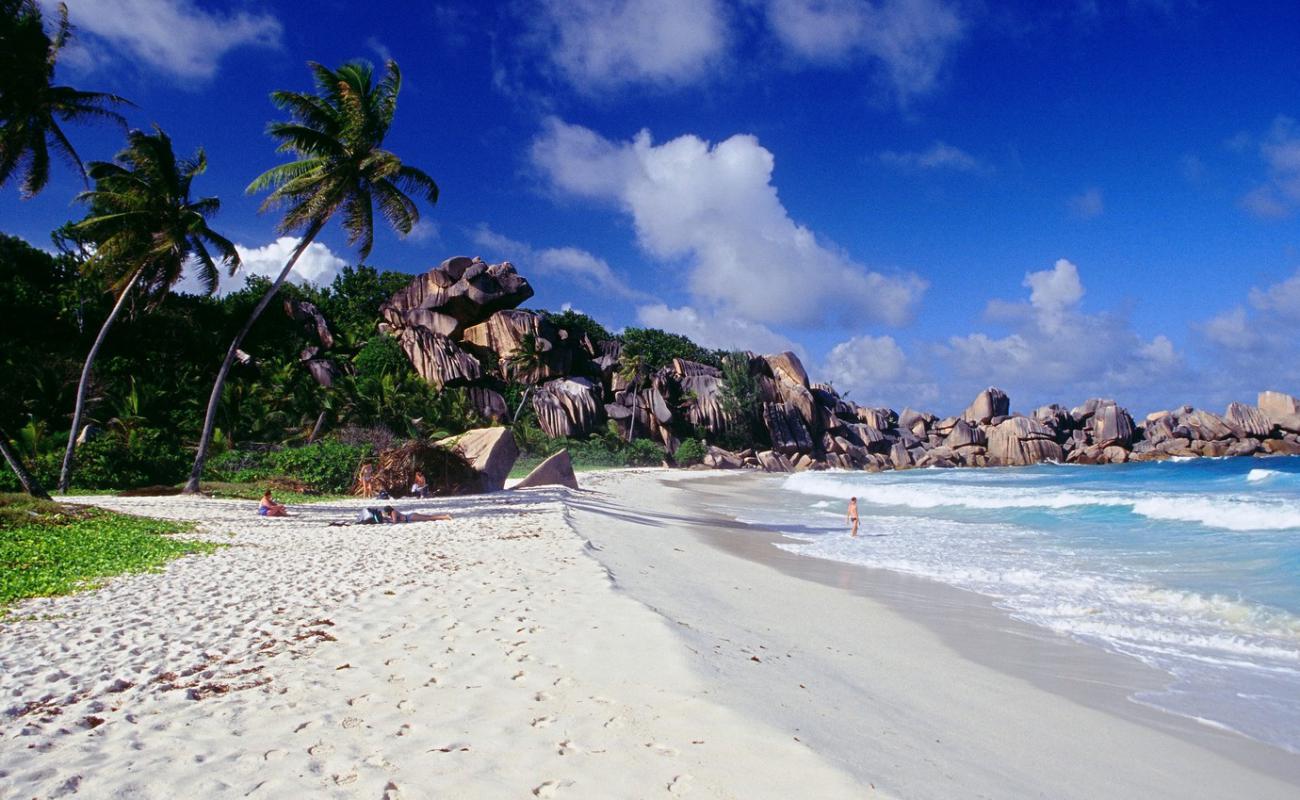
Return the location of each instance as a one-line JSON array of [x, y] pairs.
[[584, 268], [1088, 204], [1254, 344], [938, 156], [874, 371], [1279, 195], [716, 332], [1057, 351], [712, 209], [424, 230], [317, 266], [598, 45], [911, 40], [173, 37]]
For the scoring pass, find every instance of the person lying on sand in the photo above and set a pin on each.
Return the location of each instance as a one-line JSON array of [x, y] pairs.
[[394, 516], [270, 508]]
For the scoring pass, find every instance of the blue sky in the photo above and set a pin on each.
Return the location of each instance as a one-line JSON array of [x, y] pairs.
[[922, 197]]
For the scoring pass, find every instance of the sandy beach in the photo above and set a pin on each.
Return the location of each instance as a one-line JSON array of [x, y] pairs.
[[612, 642]]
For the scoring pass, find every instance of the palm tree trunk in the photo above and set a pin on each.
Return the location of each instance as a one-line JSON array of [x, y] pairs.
[[631, 430], [28, 481], [210, 418], [520, 410], [315, 430], [65, 474]]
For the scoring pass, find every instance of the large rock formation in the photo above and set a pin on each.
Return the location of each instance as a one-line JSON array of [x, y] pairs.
[[490, 451], [568, 407], [557, 470], [1019, 441], [459, 292], [990, 403]]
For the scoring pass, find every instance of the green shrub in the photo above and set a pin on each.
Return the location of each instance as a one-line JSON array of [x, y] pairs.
[[689, 452], [326, 466], [144, 457], [643, 453], [381, 355]]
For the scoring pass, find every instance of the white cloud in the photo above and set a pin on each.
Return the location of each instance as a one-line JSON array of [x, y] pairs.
[[875, 371], [1088, 204], [1054, 292], [716, 332], [598, 45], [317, 266], [1058, 352], [424, 230], [939, 155], [586, 269], [713, 210], [174, 37], [1279, 195], [1254, 346], [910, 39]]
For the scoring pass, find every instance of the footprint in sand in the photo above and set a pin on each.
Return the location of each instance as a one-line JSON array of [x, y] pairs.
[[359, 700], [551, 788], [350, 723], [517, 675], [541, 697], [405, 706], [662, 749], [346, 778], [392, 792], [542, 722], [568, 747], [680, 785], [614, 722], [320, 750]]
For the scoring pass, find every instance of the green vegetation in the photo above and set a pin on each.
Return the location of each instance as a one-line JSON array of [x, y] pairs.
[[657, 348], [50, 549]]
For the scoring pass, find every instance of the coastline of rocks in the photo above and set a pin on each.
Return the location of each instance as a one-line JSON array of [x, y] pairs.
[[460, 325]]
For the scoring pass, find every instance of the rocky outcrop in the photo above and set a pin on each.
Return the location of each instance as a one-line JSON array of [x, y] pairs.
[[490, 451], [1020, 441], [459, 292], [786, 427], [1247, 421], [1111, 425], [1277, 404], [988, 404], [557, 470], [568, 407], [438, 359]]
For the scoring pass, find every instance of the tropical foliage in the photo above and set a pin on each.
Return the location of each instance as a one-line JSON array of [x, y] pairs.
[[336, 136], [32, 107]]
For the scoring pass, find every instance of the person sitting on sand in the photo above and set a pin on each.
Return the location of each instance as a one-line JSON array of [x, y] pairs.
[[420, 488], [394, 516], [270, 508], [853, 515]]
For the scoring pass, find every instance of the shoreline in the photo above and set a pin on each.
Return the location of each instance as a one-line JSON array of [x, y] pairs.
[[1085, 684]]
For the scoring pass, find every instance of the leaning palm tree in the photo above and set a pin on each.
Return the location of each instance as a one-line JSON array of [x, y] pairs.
[[25, 478], [31, 106], [525, 365], [337, 136], [632, 369], [145, 230]]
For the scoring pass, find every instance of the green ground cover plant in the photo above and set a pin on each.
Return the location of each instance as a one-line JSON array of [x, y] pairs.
[[49, 549]]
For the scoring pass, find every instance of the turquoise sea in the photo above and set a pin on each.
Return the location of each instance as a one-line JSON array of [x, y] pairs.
[[1192, 567]]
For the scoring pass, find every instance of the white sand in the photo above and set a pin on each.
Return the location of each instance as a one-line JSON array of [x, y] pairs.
[[901, 704], [483, 657]]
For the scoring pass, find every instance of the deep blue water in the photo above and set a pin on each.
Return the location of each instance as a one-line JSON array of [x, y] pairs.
[[1192, 567]]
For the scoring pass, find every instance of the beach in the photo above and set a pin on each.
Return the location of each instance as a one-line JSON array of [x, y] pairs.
[[617, 641]]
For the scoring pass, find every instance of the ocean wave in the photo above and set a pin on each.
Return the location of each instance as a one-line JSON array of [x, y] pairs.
[[1226, 512]]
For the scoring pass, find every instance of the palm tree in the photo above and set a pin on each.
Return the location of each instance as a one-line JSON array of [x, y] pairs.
[[145, 229], [524, 364], [632, 368], [31, 107], [337, 136], [29, 483]]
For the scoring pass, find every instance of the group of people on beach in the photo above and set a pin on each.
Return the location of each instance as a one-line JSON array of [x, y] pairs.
[[368, 487], [269, 508]]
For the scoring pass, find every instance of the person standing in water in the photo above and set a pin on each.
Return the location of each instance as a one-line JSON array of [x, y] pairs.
[[853, 515]]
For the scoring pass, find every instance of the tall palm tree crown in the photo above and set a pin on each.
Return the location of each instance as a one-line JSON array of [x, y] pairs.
[[337, 135], [145, 229], [31, 106], [143, 218]]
